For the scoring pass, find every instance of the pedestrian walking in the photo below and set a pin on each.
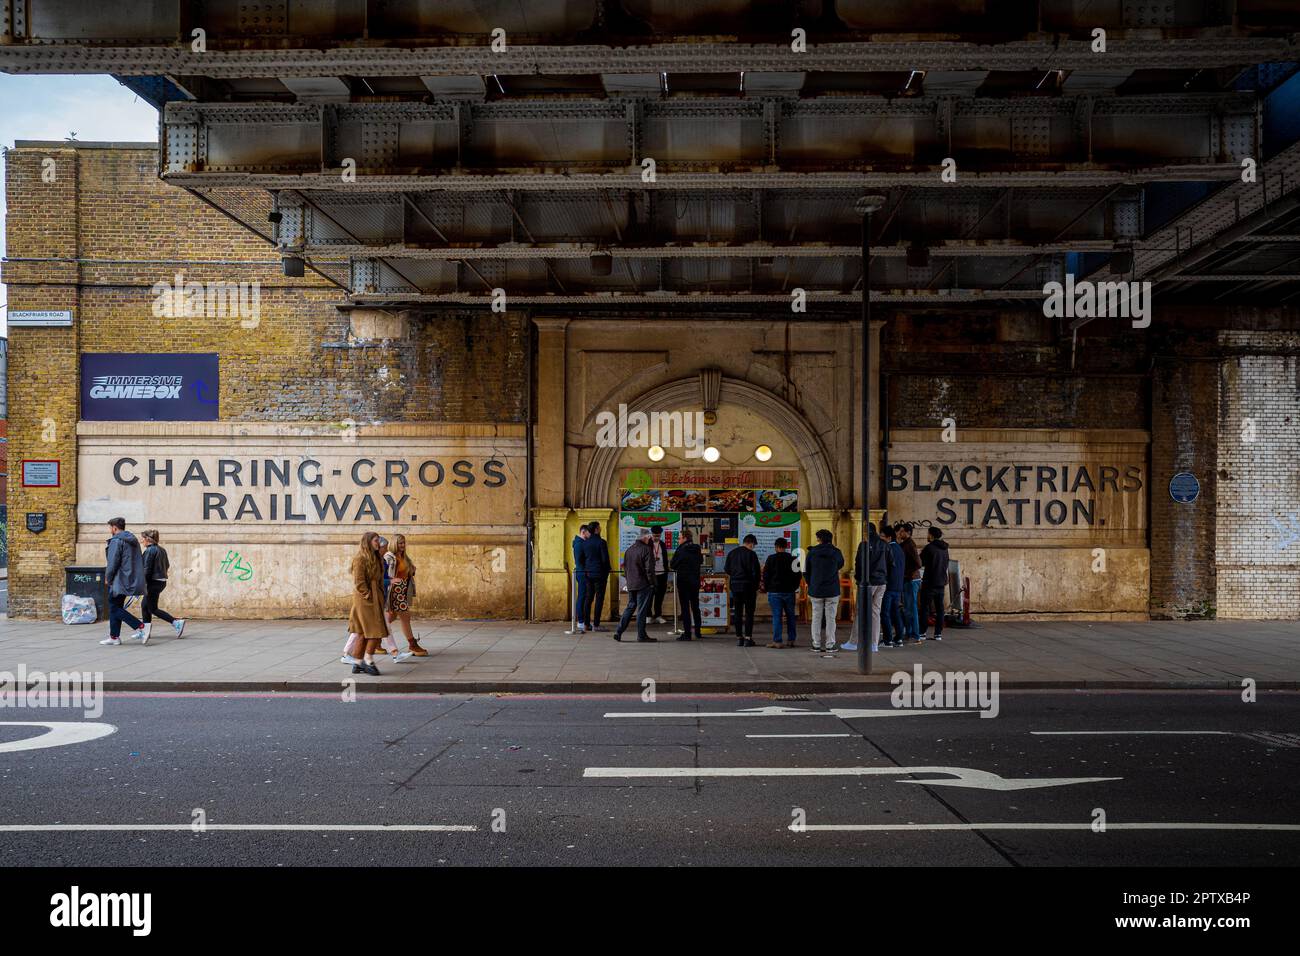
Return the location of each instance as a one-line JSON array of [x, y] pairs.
[[661, 573], [639, 569], [911, 582], [596, 570], [686, 563], [124, 575], [156, 568], [745, 575], [934, 581], [781, 582], [891, 611], [366, 619], [869, 571], [580, 577], [401, 595], [822, 566]]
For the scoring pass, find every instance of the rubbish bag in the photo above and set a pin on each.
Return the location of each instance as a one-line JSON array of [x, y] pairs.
[[79, 610]]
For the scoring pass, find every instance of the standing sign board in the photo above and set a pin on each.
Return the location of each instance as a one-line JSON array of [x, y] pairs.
[[714, 606], [165, 387]]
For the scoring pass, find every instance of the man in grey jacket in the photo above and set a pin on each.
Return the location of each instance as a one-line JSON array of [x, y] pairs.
[[125, 578], [639, 568]]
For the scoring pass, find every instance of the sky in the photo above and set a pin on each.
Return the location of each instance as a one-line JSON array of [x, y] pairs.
[[94, 108]]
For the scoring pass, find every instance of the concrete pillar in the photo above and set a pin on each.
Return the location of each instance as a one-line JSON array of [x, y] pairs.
[[873, 383], [551, 535]]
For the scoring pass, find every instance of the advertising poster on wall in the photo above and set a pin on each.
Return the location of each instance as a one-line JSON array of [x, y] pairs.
[[630, 525], [164, 387], [767, 527]]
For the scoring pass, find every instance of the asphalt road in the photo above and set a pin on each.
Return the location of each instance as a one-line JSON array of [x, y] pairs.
[[527, 763]]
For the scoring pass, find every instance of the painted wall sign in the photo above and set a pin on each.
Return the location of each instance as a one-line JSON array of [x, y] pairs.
[[40, 473], [1184, 487], [320, 489], [164, 387], [36, 521], [1014, 495], [46, 318]]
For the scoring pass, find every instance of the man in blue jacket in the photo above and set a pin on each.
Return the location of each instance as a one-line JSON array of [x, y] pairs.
[[580, 576], [891, 611], [870, 571], [124, 576], [596, 569]]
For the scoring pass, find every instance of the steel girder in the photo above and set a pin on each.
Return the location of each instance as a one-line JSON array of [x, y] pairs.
[[709, 143]]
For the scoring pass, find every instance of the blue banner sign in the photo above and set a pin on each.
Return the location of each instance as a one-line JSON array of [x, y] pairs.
[[166, 387]]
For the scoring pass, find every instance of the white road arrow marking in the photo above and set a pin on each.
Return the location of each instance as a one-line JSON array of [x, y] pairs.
[[845, 714], [966, 776], [1086, 733], [796, 736], [862, 827], [155, 827], [59, 734]]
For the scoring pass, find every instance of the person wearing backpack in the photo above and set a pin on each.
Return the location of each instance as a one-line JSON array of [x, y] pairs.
[[156, 568]]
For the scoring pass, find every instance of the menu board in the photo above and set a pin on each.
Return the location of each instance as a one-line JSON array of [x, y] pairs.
[[631, 525], [714, 603], [767, 527]]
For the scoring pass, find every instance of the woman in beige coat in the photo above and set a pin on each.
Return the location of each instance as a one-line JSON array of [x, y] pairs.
[[367, 617]]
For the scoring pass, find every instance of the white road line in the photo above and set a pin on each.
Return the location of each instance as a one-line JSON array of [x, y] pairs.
[[59, 734], [843, 713], [862, 827], [1076, 733], [966, 776], [256, 827], [800, 735]]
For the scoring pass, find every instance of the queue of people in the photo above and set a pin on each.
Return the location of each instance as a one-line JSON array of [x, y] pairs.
[[132, 573], [901, 587]]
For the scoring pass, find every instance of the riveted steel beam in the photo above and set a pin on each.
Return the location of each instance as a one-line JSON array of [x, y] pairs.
[[238, 57]]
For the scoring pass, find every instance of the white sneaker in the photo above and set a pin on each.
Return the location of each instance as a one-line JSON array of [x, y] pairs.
[[133, 636], [143, 633], [847, 646], [582, 628], [402, 656], [112, 641], [349, 659], [832, 648], [179, 624], [817, 647]]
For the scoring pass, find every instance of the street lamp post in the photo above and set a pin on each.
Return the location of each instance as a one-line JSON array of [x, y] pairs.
[[865, 206]]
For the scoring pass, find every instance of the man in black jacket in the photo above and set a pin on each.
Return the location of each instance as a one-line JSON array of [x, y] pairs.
[[781, 581], [823, 563], [745, 571], [639, 568], [580, 576], [872, 558], [934, 559], [596, 567], [686, 562]]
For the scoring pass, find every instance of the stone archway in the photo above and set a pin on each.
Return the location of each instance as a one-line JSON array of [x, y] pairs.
[[684, 393]]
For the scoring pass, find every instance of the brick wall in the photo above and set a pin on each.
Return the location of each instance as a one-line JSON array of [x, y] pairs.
[[299, 362], [1257, 554], [1184, 423]]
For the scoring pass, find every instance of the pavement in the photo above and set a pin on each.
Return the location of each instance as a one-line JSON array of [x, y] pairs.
[[482, 656], [1084, 778]]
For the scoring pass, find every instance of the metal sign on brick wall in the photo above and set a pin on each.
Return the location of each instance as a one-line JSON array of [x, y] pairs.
[[164, 387], [1184, 487], [38, 319]]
